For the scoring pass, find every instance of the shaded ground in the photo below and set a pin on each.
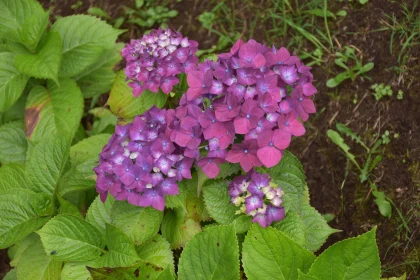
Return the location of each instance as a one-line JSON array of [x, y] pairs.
[[398, 175]]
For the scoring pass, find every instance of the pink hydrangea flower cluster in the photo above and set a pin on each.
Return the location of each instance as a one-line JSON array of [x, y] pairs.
[[253, 94], [155, 61], [141, 164], [255, 195]]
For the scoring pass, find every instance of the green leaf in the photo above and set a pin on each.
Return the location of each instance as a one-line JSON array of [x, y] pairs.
[[353, 258], [13, 177], [303, 276], [124, 105], [85, 38], [269, 254], [99, 77], [212, 254], [78, 178], [21, 212], [88, 149], [95, 11], [46, 163], [339, 141], [217, 200], [53, 110], [319, 13], [35, 264], [333, 82], [366, 68], [121, 251], [33, 28], [14, 14], [384, 206], [12, 82], [403, 277], [242, 223], [138, 223], [45, 63], [99, 213], [341, 13], [306, 226], [16, 112], [13, 143], [75, 271], [140, 271], [67, 207], [11, 275], [68, 238], [157, 251], [105, 121], [342, 128], [19, 249], [178, 228]]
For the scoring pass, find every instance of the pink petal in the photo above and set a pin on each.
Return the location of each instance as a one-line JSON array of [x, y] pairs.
[[241, 125], [308, 105], [281, 139], [259, 60], [309, 89], [296, 128], [269, 156]]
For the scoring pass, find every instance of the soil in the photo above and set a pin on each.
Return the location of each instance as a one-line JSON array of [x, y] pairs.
[[398, 175]]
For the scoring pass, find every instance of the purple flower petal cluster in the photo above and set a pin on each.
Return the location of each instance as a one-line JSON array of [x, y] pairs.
[[255, 195], [253, 93], [155, 61], [140, 163]]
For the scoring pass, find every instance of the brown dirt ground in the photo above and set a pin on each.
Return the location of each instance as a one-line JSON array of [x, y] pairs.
[[398, 175]]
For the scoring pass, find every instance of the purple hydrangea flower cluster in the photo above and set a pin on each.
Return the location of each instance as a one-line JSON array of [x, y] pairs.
[[155, 61], [140, 163], [254, 94], [255, 195]]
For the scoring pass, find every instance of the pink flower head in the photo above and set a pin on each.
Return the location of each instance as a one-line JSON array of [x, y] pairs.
[[199, 83], [245, 153], [210, 166], [249, 117], [271, 144], [289, 123], [250, 55]]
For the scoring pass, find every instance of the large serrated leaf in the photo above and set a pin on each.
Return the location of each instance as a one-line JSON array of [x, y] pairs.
[[46, 163], [13, 143], [178, 228], [88, 148], [14, 14], [269, 254], [68, 238], [124, 105], [78, 179], [99, 213], [12, 82], [353, 258], [21, 212], [99, 77], [75, 271], [85, 39], [33, 28], [212, 254], [140, 271], [158, 252], [138, 223], [53, 110], [121, 250], [35, 264], [45, 63], [13, 176], [217, 200], [18, 250]]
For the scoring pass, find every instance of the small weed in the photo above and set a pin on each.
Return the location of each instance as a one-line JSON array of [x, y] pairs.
[[400, 95], [381, 90], [385, 137], [77, 5], [350, 72]]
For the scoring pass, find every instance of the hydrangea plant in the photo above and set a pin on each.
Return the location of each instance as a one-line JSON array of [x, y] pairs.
[[195, 174]]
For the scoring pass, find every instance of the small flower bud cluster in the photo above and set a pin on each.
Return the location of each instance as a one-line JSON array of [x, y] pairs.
[[255, 195], [155, 61], [141, 164]]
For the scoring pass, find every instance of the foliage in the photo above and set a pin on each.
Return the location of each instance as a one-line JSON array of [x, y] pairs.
[[54, 224], [350, 72]]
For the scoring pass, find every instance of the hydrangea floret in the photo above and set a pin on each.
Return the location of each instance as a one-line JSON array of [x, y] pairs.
[[243, 108], [157, 59]]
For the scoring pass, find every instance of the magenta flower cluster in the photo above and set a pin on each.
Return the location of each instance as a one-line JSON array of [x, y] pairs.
[[253, 94], [255, 195], [141, 164], [155, 61]]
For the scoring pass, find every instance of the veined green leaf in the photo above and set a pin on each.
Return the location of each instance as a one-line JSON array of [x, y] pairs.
[[46, 164], [33, 28], [121, 251], [12, 82], [78, 179], [158, 252], [212, 254], [217, 200], [53, 110], [13, 176], [138, 223], [75, 271], [21, 212], [35, 264], [88, 149], [45, 63], [353, 258], [99, 213], [68, 238], [140, 271], [13, 143], [18, 250], [269, 254], [84, 40], [124, 105]]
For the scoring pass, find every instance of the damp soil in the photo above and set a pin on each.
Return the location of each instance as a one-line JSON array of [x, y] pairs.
[[331, 191]]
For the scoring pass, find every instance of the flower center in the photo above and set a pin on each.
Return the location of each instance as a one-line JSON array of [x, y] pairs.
[[286, 123], [248, 116], [245, 151]]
